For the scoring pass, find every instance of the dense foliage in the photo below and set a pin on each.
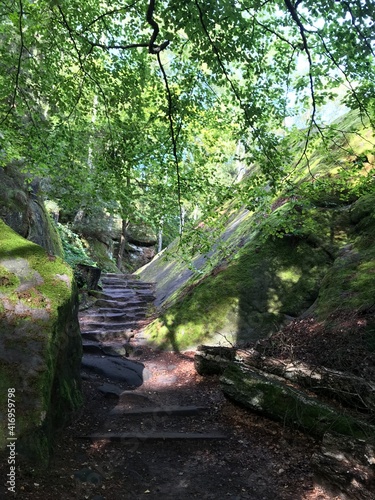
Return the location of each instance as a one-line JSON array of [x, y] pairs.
[[151, 108]]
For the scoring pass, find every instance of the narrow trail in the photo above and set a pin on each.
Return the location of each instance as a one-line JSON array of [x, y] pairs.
[[152, 428], [112, 340]]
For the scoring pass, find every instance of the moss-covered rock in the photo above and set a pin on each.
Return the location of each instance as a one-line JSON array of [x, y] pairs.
[[349, 286], [40, 343], [248, 297]]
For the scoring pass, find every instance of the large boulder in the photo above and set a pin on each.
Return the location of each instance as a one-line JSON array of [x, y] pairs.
[[40, 343]]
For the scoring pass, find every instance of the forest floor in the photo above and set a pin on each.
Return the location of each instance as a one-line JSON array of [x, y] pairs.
[[258, 460]]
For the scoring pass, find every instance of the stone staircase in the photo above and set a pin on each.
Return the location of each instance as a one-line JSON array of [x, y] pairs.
[[111, 335], [119, 312]]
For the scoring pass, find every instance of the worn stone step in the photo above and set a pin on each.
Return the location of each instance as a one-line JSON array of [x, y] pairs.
[[131, 283], [120, 304], [117, 276], [100, 348], [158, 410], [108, 326], [118, 295], [110, 318], [123, 310], [126, 291], [122, 295], [103, 336], [127, 285], [155, 436], [113, 368]]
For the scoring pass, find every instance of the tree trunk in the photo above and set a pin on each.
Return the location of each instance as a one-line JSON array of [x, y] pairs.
[[121, 249], [345, 387], [160, 235], [273, 397], [212, 360]]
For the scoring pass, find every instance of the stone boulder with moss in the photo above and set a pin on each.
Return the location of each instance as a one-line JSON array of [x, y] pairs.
[[40, 343]]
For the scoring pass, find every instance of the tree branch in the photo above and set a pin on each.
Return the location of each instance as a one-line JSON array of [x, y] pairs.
[[232, 86], [81, 65], [108, 13], [361, 35], [352, 89], [173, 138], [293, 12], [152, 47]]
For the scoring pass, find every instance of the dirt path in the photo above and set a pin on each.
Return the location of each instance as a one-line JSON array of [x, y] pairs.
[[215, 451]]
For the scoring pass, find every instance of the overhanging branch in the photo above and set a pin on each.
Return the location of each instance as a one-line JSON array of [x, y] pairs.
[[152, 47], [173, 138]]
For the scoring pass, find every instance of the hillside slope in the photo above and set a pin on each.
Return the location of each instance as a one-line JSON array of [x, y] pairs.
[[311, 251]]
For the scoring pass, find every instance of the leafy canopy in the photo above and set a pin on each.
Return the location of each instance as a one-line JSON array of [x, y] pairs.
[[149, 108]]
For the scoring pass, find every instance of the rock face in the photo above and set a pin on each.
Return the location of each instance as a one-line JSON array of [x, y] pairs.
[[102, 233], [40, 343], [23, 210], [267, 281]]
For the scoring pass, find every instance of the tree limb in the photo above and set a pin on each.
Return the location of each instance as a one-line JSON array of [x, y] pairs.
[[293, 12], [152, 47], [173, 137]]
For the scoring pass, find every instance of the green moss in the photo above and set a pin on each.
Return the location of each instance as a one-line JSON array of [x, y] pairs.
[[349, 286], [247, 298], [98, 252], [8, 281]]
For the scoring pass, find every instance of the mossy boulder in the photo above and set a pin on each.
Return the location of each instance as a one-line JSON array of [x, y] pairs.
[[40, 343], [141, 235]]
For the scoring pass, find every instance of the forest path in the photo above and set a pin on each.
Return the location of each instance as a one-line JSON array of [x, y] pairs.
[[112, 331], [152, 428]]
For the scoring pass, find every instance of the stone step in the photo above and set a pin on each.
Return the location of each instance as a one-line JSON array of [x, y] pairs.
[[157, 410], [100, 348], [131, 283], [126, 292], [128, 285], [116, 294], [155, 436], [114, 368], [120, 304], [117, 276], [107, 326], [103, 336], [111, 318], [126, 295], [123, 310]]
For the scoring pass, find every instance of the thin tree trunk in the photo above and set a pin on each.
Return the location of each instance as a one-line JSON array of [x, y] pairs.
[[160, 235], [125, 224]]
